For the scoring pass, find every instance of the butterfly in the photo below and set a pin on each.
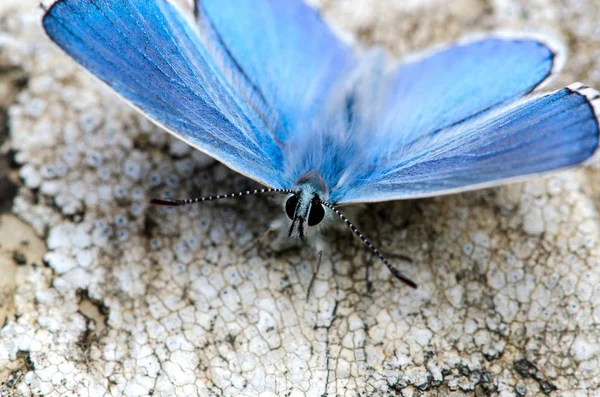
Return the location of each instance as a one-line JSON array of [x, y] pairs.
[[266, 88]]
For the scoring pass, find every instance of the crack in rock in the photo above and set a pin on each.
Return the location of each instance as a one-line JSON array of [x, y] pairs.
[[112, 297]]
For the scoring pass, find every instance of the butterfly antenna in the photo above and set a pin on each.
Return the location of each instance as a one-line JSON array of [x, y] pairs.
[[180, 202], [373, 249]]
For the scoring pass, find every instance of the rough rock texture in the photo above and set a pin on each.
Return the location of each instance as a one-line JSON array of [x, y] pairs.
[[102, 295]]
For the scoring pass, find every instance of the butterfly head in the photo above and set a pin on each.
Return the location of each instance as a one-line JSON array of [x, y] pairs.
[[304, 209], [306, 206]]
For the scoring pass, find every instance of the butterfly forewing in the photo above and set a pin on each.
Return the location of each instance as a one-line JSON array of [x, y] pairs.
[[150, 54]]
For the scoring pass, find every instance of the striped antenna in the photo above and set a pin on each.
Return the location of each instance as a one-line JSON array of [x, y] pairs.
[[180, 202], [373, 249]]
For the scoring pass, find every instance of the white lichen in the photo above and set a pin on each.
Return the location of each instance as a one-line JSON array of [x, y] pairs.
[[133, 300]]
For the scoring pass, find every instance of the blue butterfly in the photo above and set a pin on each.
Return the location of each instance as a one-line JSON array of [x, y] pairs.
[[267, 89]]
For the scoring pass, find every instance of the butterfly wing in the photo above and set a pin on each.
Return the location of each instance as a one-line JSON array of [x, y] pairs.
[[284, 51], [530, 137], [462, 81], [150, 54]]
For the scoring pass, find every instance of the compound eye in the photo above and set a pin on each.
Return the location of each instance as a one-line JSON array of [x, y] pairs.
[[316, 214], [290, 206]]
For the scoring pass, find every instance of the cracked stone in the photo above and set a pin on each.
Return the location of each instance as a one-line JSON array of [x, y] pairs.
[[137, 301]]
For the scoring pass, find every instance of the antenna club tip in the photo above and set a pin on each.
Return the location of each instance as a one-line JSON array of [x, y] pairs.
[[402, 277], [166, 202], [411, 284]]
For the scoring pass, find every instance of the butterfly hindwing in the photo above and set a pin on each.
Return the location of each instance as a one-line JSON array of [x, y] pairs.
[[530, 137], [285, 51], [150, 54]]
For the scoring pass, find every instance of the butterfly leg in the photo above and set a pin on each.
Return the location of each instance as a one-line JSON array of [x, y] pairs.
[[280, 242], [314, 276]]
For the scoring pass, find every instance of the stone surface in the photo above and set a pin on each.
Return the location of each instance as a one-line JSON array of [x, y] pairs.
[[118, 298]]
